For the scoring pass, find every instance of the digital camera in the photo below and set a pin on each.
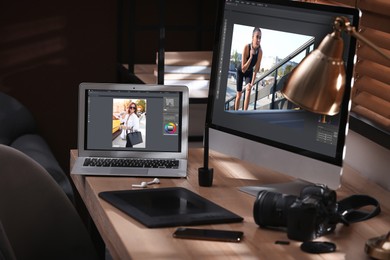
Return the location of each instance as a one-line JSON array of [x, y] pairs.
[[312, 214]]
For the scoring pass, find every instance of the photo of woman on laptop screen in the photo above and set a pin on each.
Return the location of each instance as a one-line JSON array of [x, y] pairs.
[[129, 115], [256, 85]]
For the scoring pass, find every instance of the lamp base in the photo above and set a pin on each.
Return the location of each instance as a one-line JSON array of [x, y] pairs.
[[378, 247], [205, 177]]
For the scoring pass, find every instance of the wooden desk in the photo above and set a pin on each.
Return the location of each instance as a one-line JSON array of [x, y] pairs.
[[125, 238]]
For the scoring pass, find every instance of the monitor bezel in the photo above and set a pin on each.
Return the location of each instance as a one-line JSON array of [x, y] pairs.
[[210, 122]]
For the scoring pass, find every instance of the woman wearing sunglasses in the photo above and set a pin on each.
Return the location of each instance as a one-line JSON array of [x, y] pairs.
[[131, 122]]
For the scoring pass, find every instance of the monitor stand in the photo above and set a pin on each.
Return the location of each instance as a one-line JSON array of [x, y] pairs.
[[293, 187]]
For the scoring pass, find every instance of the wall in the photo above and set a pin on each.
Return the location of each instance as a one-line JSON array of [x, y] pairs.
[[46, 49], [369, 158], [189, 26]]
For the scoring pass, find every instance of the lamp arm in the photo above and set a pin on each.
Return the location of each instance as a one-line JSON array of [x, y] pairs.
[[346, 25]]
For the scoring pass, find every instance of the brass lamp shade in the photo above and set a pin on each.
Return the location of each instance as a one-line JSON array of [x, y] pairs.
[[317, 84]]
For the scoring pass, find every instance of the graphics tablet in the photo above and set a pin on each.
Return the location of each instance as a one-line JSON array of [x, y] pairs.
[[168, 207]]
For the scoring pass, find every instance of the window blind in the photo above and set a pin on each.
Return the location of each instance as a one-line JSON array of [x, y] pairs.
[[371, 92]]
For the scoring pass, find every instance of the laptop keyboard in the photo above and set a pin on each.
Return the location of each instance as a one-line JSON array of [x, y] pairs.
[[132, 162]]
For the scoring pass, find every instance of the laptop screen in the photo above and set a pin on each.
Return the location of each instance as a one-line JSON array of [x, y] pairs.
[[108, 112]]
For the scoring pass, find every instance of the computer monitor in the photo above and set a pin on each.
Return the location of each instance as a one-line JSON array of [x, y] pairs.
[[271, 131]]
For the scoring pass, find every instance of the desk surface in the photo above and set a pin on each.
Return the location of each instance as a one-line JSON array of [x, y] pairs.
[[126, 238]]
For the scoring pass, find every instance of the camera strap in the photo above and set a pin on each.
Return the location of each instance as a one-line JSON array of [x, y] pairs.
[[348, 208]]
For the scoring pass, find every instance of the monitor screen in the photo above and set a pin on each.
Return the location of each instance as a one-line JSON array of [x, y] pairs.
[[258, 44]]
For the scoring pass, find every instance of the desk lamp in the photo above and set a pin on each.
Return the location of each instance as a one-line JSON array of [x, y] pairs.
[[317, 84]]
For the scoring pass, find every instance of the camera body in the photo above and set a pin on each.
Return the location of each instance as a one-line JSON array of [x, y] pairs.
[[312, 214]]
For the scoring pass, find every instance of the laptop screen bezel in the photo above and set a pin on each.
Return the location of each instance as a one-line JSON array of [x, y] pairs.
[[83, 151]]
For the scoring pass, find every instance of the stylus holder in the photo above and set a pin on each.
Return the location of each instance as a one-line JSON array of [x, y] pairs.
[[205, 177], [205, 174]]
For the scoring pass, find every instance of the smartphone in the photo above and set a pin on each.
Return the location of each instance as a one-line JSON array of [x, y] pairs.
[[208, 234]]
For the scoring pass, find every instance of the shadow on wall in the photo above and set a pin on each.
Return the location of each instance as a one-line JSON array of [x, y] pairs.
[[46, 51], [368, 158]]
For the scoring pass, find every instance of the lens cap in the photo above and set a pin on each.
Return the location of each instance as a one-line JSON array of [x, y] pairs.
[[318, 247]]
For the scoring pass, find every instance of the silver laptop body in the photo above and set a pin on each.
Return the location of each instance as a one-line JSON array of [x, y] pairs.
[[162, 115]]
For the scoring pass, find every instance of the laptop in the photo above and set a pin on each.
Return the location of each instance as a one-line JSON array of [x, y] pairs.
[[108, 112]]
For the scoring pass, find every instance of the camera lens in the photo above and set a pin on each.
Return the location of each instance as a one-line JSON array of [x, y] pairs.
[[270, 208]]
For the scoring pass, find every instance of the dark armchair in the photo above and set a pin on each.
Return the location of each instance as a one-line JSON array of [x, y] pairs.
[[18, 130], [37, 220]]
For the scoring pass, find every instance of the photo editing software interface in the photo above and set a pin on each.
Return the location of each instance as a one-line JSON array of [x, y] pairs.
[[157, 115], [287, 35]]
